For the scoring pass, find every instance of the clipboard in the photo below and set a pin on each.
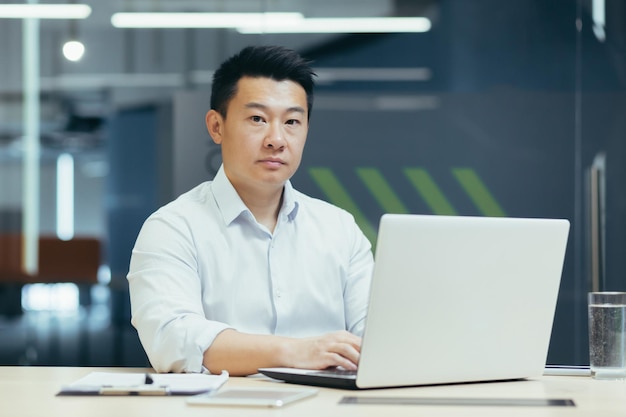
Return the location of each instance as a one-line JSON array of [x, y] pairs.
[[122, 384]]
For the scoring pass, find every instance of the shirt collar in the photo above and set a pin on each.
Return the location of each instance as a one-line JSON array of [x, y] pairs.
[[290, 202], [231, 206]]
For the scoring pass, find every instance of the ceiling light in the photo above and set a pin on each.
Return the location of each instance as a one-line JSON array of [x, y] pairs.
[[73, 50], [343, 25], [202, 20], [44, 11], [258, 23]]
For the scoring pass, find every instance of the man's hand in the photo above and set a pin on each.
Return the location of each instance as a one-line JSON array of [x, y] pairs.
[[332, 349], [242, 354]]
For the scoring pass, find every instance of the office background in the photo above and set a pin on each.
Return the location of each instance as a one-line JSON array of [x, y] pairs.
[[509, 108]]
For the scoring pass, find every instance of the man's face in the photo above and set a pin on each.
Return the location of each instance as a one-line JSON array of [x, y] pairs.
[[263, 134]]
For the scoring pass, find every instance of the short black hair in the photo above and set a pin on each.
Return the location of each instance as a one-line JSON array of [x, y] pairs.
[[275, 62]]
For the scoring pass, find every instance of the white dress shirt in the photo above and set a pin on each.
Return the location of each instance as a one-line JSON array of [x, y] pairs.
[[202, 264]]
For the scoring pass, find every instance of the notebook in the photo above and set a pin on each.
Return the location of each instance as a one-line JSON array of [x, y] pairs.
[[455, 299]]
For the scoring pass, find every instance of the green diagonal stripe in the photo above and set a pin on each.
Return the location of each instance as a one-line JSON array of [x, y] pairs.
[[381, 190], [429, 191], [330, 185], [478, 192]]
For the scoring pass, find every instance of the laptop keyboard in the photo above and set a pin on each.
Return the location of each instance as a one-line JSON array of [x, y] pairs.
[[338, 373]]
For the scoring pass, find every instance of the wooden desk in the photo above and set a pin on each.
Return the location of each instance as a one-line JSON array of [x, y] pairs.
[[31, 391]]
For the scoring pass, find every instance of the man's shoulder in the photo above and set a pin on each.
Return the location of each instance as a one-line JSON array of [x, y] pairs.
[[189, 201], [197, 194], [319, 206]]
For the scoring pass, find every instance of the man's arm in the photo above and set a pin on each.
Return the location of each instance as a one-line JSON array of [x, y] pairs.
[[242, 354]]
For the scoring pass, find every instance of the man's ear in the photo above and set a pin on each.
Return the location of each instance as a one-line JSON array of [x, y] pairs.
[[214, 124]]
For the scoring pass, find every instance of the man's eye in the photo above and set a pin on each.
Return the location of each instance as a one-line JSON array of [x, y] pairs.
[[293, 121], [256, 119]]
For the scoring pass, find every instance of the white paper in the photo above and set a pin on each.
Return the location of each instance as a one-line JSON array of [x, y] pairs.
[[175, 383]]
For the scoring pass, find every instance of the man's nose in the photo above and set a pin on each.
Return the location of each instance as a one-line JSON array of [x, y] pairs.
[[275, 137]]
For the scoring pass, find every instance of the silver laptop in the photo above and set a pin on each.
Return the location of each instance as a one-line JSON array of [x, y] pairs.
[[455, 299]]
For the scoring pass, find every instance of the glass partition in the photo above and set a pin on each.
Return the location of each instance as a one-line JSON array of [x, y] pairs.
[[491, 109]]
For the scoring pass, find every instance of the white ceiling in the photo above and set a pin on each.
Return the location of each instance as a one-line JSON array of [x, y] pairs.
[[136, 65], [122, 51]]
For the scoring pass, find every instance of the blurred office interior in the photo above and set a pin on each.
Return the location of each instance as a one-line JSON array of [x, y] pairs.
[[480, 107]]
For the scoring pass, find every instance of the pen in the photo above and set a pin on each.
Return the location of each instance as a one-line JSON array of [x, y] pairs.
[[146, 389]]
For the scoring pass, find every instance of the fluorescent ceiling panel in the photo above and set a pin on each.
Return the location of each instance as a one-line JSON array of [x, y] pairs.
[[344, 25], [249, 23], [44, 11], [202, 20]]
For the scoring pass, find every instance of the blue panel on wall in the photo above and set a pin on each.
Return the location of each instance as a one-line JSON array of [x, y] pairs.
[[132, 188]]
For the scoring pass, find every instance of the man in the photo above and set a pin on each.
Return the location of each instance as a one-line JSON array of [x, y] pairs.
[[244, 272]]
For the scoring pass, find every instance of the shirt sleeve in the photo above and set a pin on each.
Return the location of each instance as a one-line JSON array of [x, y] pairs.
[[357, 290], [165, 290]]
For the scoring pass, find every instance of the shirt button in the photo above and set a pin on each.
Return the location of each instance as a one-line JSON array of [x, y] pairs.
[[278, 294]]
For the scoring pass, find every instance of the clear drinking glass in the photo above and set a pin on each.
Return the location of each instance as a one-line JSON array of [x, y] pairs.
[[607, 335]]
